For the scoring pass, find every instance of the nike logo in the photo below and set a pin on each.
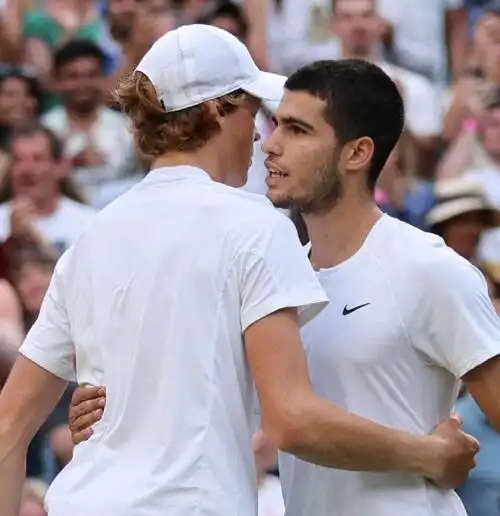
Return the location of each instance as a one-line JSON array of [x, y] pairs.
[[348, 311]]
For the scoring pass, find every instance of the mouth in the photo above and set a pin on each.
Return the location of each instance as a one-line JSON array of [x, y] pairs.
[[274, 171]]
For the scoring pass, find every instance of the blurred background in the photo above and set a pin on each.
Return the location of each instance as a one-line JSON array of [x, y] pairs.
[[66, 152]]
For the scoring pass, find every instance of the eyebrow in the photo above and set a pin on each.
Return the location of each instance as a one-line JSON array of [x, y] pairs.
[[291, 120]]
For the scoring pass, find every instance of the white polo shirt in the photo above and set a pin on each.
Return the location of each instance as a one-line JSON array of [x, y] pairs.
[[154, 298], [407, 317]]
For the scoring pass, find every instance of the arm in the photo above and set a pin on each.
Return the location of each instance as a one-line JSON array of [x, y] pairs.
[[27, 399], [458, 41], [458, 155], [35, 385], [465, 335], [274, 292], [256, 11], [11, 43], [483, 384], [299, 422]]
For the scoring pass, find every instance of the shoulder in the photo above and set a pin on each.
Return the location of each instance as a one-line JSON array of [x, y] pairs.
[[254, 221]]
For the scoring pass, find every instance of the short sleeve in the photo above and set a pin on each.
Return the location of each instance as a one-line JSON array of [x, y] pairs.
[[275, 273], [461, 329], [49, 343]]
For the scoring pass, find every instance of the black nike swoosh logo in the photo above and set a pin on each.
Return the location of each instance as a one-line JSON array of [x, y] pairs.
[[348, 311]]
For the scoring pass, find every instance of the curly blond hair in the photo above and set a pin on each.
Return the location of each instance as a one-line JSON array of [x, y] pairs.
[[156, 131]]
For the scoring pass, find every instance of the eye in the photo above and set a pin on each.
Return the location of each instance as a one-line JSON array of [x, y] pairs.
[[296, 129]]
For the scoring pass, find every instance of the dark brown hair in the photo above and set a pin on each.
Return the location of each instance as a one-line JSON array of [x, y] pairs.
[[156, 131]]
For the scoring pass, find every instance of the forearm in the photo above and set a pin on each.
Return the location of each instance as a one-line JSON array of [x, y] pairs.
[[456, 157], [330, 436], [12, 476], [256, 11]]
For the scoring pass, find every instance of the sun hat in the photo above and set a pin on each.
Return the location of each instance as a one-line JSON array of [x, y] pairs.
[[454, 197]]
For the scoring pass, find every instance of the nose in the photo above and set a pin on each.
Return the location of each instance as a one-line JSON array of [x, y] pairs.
[[269, 145], [256, 135]]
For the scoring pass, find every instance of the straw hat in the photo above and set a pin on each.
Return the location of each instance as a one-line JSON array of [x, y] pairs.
[[454, 197]]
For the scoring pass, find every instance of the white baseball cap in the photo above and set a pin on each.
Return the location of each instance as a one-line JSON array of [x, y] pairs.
[[196, 63]]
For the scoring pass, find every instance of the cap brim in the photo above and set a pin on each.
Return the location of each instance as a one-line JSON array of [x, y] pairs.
[[269, 87]]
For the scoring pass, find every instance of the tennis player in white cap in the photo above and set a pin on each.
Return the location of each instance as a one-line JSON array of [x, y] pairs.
[[182, 292]]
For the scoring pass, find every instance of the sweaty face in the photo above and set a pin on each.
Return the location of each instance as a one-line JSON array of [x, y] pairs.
[[303, 156]]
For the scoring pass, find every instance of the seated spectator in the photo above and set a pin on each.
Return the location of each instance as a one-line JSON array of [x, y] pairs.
[[461, 215], [20, 100], [36, 203], [96, 138]]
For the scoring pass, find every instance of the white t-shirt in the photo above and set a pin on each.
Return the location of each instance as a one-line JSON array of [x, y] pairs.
[[61, 228], [424, 320], [110, 135], [153, 299], [422, 101]]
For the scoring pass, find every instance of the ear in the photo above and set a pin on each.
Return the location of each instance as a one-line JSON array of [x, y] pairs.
[[358, 154]]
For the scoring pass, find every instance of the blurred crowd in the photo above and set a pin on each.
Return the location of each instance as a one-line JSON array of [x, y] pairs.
[[66, 152]]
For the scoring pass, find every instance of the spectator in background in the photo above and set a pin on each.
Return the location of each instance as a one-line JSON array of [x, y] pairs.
[[44, 30], [20, 100], [427, 35], [461, 215], [400, 193], [477, 86], [96, 138], [358, 27], [36, 204]]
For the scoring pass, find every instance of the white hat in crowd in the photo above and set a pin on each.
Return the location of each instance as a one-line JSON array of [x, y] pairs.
[[196, 63], [455, 197]]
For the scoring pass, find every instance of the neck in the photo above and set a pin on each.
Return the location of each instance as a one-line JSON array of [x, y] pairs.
[[366, 53], [204, 158], [81, 120], [337, 235], [47, 206]]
